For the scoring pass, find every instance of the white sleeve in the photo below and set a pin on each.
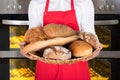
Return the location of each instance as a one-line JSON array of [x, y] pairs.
[[35, 15], [87, 17]]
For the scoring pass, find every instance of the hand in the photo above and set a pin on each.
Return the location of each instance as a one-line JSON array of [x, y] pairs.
[[93, 41], [28, 55], [94, 54]]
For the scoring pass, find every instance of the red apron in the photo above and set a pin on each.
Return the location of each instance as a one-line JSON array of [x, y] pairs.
[[76, 71]]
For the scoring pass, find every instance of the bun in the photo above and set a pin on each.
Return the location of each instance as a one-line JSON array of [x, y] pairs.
[[80, 48], [57, 52]]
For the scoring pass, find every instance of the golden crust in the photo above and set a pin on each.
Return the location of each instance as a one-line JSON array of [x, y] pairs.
[[34, 34], [48, 31], [80, 48], [58, 30], [47, 34]]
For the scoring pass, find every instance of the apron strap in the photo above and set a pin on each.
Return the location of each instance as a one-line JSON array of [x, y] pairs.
[[47, 5], [48, 1], [72, 4]]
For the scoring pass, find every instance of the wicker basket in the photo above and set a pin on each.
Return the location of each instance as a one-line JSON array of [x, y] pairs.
[[56, 61]]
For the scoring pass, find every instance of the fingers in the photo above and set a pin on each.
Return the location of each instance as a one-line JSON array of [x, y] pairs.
[[21, 47], [27, 55], [22, 43], [30, 56], [92, 40], [94, 54]]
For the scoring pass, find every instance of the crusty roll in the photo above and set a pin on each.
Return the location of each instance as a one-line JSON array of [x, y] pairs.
[[58, 30], [80, 48], [89, 38], [57, 52]]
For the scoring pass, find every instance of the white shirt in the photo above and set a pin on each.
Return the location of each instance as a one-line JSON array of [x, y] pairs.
[[84, 12]]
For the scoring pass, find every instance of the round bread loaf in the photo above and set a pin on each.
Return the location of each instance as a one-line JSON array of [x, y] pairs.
[[80, 48]]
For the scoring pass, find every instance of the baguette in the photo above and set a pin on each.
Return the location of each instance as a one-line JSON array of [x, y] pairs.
[[51, 42]]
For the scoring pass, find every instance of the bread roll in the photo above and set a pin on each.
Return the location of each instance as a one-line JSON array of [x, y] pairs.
[[57, 52], [89, 38], [80, 48]]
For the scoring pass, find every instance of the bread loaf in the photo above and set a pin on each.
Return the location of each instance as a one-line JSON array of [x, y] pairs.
[[51, 42], [80, 48], [58, 30], [57, 52], [34, 34], [48, 35]]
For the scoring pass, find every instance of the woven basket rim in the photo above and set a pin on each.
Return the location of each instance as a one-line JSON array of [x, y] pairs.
[[58, 61]]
